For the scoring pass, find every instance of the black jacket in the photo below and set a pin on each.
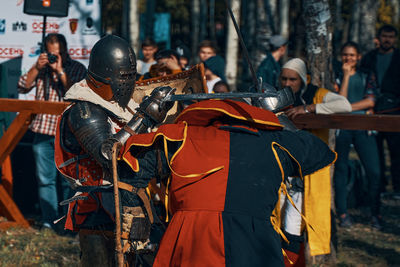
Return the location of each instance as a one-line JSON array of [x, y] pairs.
[[391, 80]]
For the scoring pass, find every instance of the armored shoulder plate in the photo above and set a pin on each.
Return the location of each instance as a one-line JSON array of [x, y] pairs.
[[89, 124]]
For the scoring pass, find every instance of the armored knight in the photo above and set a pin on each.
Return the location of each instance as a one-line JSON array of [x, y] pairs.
[[102, 113]]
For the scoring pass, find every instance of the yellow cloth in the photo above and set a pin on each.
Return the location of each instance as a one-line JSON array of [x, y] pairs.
[[317, 198]]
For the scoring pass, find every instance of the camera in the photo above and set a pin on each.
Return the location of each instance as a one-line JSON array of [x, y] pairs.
[[51, 57]]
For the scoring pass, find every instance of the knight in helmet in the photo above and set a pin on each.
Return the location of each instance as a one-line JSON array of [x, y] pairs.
[[102, 113]]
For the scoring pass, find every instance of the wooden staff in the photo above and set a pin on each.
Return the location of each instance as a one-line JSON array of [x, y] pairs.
[[118, 245]]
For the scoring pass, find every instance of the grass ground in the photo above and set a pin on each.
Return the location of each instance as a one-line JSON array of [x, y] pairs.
[[358, 246], [362, 246], [33, 247]]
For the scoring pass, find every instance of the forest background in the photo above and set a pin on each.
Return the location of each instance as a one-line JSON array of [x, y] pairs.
[[316, 28]]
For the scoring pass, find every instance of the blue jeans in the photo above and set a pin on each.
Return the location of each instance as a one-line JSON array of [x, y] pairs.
[[47, 175], [366, 148]]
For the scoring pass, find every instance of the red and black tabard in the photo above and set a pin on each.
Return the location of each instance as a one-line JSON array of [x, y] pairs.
[[223, 178], [83, 171]]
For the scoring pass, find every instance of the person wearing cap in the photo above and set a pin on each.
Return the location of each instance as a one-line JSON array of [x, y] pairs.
[[312, 194], [270, 68], [309, 98], [214, 71]]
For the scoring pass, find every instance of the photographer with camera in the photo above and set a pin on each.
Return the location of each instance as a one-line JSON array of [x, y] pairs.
[[52, 75]]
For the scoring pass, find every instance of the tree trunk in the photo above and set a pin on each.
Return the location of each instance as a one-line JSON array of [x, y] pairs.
[[355, 22], [263, 33], [298, 30], [232, 47], [271, 11], [248, 29], [318, 22], [203, 20], [368, 10], [363, 21], [195, 17], [317, 18], [150, 9], [396, 11], [338, 32], [284, 22], [125, 19], [134, 25], [284, 18], [212, 20]]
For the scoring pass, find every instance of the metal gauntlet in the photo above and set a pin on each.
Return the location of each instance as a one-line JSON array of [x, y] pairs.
[[135, 126], [284, 99], [150, 112], [153, 107]]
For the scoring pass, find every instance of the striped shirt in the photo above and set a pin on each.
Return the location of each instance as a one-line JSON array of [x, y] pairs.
[[46, 123]]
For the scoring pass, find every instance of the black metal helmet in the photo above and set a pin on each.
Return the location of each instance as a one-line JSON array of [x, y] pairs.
[[113, 62]]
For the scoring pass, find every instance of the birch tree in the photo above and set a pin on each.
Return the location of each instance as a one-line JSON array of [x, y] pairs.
[[134, 25], [317, 18], [232, 47]]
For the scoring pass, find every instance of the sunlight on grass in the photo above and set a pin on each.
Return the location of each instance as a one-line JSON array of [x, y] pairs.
[[30, 247]]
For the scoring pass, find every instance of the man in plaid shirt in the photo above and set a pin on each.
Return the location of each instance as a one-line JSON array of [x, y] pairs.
[[52, 75]]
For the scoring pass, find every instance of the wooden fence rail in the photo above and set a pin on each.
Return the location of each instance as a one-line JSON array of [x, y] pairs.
[[382, 123]]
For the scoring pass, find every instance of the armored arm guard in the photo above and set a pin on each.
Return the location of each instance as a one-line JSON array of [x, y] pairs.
[[150, 112]]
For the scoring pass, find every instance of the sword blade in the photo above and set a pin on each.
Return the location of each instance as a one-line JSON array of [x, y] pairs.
[[217, 96]]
